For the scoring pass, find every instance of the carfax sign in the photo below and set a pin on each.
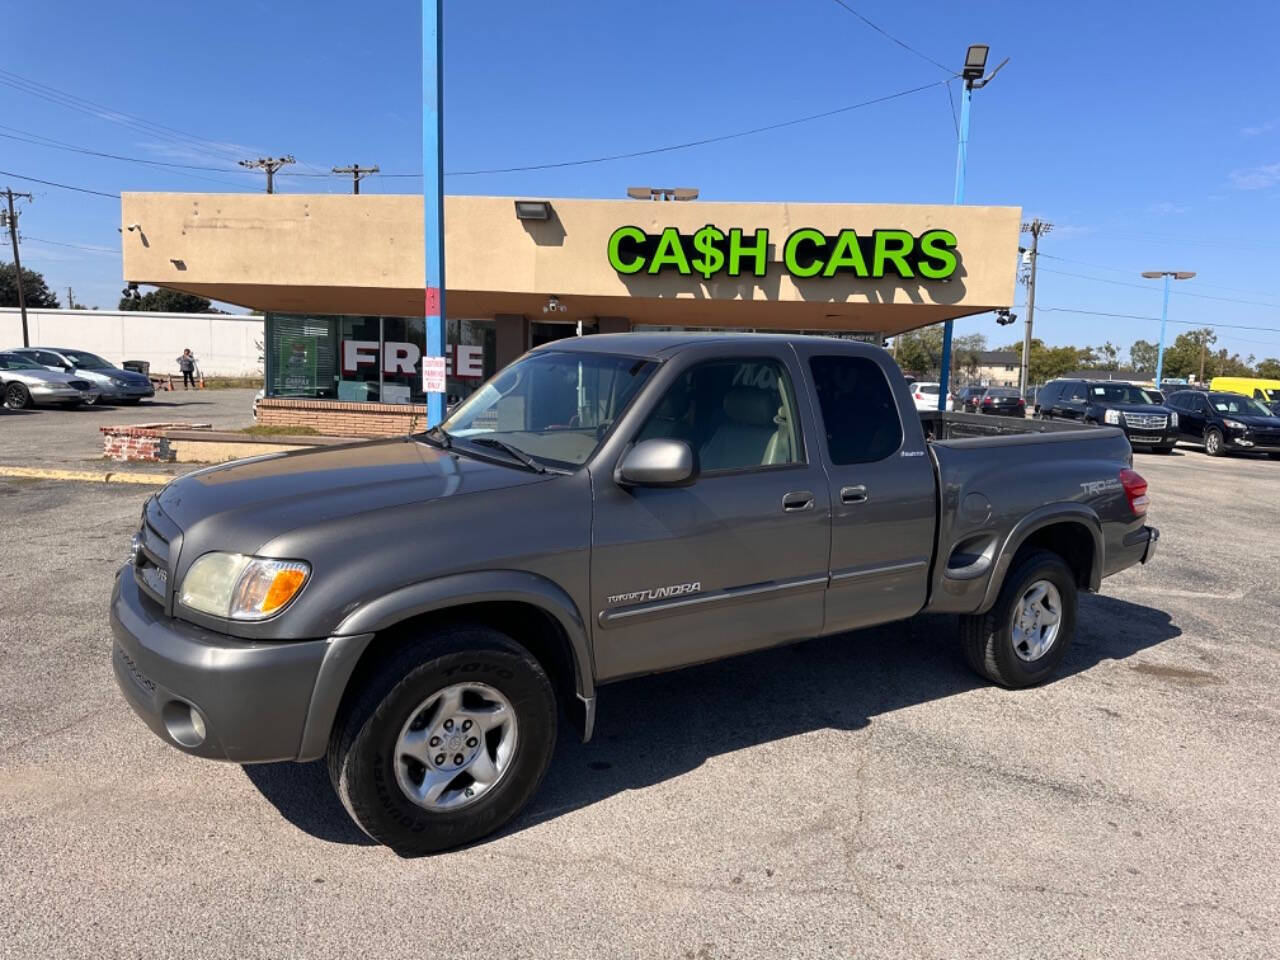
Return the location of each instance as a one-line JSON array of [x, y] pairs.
[[807, 253]]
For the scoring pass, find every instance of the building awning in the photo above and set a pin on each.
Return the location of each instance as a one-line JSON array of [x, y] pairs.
[[870, 267]]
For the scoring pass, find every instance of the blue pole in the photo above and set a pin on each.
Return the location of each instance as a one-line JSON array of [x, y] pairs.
[[962, 158], [433, 189], [1164, 316]]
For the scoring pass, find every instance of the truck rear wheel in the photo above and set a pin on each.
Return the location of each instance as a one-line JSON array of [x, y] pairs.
[[1021, 640], [445, 741]]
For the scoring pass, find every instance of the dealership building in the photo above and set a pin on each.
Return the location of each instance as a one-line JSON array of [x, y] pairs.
[[340, 280]]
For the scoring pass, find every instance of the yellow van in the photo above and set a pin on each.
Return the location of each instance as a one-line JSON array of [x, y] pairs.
[[1268, 391]]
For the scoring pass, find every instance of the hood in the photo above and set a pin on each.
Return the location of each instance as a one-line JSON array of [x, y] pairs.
[[241, 505], [113, 373], [39, 376]]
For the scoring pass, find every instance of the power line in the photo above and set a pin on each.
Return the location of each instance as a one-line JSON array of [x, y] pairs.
[[102, 112], [77, 246], [1144, 286], [699, 142], [1131, 271], [62, 186], [1134, 316], [885, 33]]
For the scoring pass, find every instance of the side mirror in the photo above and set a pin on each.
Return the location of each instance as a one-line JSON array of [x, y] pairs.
[[657, 463]]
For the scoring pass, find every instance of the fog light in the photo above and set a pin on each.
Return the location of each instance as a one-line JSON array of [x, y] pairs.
[[184, 723]]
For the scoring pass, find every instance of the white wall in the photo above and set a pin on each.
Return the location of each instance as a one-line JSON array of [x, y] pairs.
[[224, 346]]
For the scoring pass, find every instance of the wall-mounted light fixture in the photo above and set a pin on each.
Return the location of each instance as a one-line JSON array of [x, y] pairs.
[[533, 210]]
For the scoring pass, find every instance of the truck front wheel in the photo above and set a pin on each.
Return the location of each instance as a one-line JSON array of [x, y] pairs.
[[1021, 640], [444, 741]]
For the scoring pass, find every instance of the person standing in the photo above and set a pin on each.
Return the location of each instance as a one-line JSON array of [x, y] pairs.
[[187, 364]]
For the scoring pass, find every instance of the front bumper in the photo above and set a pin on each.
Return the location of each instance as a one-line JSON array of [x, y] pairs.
[[1249, 441], [61, 393], [252, 698], [1141, 439], [128, 391]]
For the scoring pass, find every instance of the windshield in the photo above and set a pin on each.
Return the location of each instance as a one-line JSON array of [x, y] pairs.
[[554, 406], [1002, 392], [89, 361], [1234, 403], [11, 361], [1271, 393], [1121, 393]]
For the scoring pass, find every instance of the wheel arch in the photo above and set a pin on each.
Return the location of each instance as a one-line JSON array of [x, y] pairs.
[[1073, 531], [534, 611]]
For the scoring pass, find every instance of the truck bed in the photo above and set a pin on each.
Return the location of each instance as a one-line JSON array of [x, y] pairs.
[[941, 426]]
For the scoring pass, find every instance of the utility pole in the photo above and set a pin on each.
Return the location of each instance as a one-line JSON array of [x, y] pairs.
[[71, 299], [975, 66], [433, 200], [1203, 341], [1037, 228], [11, 217], [357, 173], [269, 164]]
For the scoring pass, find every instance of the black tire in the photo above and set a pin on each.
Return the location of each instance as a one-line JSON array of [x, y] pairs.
[[17, 396], [988, 638], [362, 746], [1213, 443]]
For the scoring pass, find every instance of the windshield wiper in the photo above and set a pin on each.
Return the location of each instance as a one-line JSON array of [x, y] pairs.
[[441, 436], [516, 452]]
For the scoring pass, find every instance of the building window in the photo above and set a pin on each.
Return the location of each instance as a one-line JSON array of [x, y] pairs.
[[372, 359]]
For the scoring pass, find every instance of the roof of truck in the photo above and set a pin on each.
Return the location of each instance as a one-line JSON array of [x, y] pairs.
[[659, 343]]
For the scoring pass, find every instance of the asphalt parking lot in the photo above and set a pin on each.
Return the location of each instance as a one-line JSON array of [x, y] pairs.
[[70, 439], [860, 796]]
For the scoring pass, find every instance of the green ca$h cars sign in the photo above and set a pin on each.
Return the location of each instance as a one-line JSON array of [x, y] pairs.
[[807, 253]]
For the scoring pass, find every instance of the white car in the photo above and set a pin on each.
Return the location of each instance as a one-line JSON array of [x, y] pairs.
[[925, 395]]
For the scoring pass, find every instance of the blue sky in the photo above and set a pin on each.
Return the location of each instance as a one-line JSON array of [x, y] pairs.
[[1148, 133]]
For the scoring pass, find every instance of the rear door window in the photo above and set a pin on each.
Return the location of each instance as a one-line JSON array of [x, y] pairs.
[[859, 415]]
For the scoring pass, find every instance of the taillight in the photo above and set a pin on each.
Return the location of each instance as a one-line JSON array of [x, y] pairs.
[[986, 401], [1135, 488], [919, 396]]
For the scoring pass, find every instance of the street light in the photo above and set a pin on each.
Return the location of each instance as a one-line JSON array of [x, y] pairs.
[[975, 62], [1164, 311]]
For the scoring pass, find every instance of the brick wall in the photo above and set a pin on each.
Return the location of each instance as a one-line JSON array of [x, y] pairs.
[[141, 442], [336, 418]]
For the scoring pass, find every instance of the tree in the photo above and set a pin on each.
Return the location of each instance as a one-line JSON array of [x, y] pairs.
[[1045, 363], [1269, 368], [167, 301], [1142, 355], [920, 351], [34, 288], [1107, 356], [966, 353], [1182, 358]]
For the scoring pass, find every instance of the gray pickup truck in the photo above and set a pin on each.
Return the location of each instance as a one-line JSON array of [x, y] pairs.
[[417, 610]]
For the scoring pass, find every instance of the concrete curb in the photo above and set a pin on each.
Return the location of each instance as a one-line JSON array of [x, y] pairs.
[[111, 476]]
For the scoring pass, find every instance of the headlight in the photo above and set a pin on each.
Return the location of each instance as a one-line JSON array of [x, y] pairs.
[[1234, 425], [117, 382], [1173, 419], [1112, 416], [242, 588]]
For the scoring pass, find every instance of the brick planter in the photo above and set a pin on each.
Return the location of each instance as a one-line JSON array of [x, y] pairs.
[[338, 418], [142, 441]]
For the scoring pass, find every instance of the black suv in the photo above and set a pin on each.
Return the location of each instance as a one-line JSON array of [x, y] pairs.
[[1147, 424], [1226, 422]]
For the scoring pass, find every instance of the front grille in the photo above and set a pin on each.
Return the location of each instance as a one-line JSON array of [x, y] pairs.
[[80, 384], [1146, 421], [151, 562]]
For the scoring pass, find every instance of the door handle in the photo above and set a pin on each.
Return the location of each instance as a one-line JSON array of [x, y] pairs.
[[854, 494], [797, 501]]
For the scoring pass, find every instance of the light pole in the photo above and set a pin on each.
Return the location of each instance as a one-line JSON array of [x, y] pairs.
[[1164, 311], [975, 65]]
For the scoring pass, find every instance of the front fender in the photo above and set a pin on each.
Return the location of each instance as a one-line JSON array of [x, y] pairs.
[[360, 626], [1037, 520]]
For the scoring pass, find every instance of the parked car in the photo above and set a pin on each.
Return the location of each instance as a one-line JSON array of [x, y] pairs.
[[418, 609], [26, 384], [924, 393], [1002, 401], [968, 398], [1226, 422], [1148, 423], [114, 384]]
